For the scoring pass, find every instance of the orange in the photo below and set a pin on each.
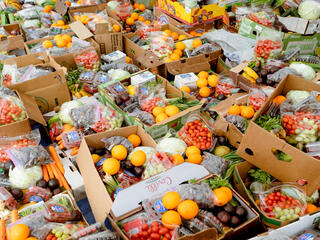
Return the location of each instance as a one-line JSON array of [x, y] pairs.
[[95, 158], [279, 99], [311, 208], [138, 158], [213, 80], [175, 36], [192, 150], [202, 82], [111, 166], [57, 37], [166, 33], [182, 37], [177, 159], [19, 232], [188, 209], [247, 112], [66, 127], [47, 9], [171, 219], [136, 5], [128, 60], [178, 51], [174, 57], [60, 23], [84, 19], [204, 92], [47, 44], [76, 17], [61, 43], [196, 43], [193, 33], [194, 158], [67, 38], [171, 200], [171, 110], [148, 23], [234, 110], [119, 152], [69, 45], [142, 7], [161, 117], [221, 196], [203, 74], [135, 140], [68, 3], [32, 238], [116, 28], [130, 21], [228, 192], [185, 89], [141, 19], [157, 110], [135, 16], [180, 45]]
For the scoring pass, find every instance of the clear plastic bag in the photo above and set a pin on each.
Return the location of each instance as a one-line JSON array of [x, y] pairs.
[[268, 46], [160, 45], [84, 116], [72, 138], [87, 59], [226, 86], [7, 91], [143, 116], [105, 235], [158, 163], [10, 75], [290, 201], [36, 194], [203, 49], [8, 199], [92, 229], [238, 121], [256, 98], [29, 156], [210, 220], [110, 142], [202, 138], [281, 74], [214, 164]]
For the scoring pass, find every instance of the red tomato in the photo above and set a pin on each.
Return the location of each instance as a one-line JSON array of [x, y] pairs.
[[269, 202], [144, 234], [155, 229], [145, 227], [163, 231], [155, 224], [167, 235], [155, 236]]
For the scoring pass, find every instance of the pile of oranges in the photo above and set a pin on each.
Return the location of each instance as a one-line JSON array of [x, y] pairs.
[[244, 111], [161, 113], [206, 81], [174, 35], [193, 154], [60, 24], [135, 15], [60, 40], [180, 47], [196, 34]]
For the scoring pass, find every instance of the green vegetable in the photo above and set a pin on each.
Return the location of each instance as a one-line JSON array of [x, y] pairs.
[[182, 102], [269, 123], [230, 169], [232, 156], [259, 175], [217, 182]]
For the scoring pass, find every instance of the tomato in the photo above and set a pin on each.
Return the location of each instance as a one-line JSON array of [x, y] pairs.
[[163, 231], [155, 229], [145, 227], [167, 235], [135, 237], [269, 202], [155, 224], [144, 234], [155, 236], [290, 198], [271, 197]]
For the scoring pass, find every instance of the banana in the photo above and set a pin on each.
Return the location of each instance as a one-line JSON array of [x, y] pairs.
[[249, 74]]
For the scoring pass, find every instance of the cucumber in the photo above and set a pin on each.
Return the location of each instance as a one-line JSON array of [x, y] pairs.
[[11, 18]]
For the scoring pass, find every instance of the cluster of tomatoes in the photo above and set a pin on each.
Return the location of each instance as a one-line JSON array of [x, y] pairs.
[[277, 199], [263, 21], [265, 47], [149, 104], [88, 60], [256, 100], [16, 145], [10, 112], [155, 231], [196, 133], [292, 122]]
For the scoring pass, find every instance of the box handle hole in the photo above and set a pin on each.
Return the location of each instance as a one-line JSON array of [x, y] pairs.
[[280, 155], [249, 151]]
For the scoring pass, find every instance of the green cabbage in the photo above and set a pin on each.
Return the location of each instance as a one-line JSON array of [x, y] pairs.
[[309, 10], [25, 178], [64, 113]]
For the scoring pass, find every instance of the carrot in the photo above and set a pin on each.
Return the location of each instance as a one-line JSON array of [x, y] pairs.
[[7, 233], [45, 174], [55, 172], [59, 137], [14, 215], [61, 146], [56, 158], [74, 151], [64, 181], [49, 171], [2, 229]]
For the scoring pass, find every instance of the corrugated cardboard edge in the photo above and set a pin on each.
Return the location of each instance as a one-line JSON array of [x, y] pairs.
[[80, 30]]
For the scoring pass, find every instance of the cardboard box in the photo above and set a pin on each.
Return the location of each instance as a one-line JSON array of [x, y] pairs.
[[67, 60], [109, 42], [307, 44], [23, 127], [300, 25], [13, 47], [14, 27], [193, 16], [158, 129], [257, 144], [50, 90]]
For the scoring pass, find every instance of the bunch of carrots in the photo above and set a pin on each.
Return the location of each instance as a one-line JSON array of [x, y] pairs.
[[4, 232], [55, 170], [66, 127]]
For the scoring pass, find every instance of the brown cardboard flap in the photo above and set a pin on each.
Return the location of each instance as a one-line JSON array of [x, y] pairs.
[[102, 28], [32, 108], [187, 65], [11, 43], [80, 30], [203, 235], [61, 7], [34, 58], [149, 59], [239, 67]]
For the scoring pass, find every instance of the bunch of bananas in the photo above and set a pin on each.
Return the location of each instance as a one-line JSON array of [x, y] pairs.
[[14, 4], [250, 74], [78, 91]]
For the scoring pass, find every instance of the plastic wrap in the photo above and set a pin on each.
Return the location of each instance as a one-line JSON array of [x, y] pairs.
[[92, 229], [145, 117], [29, 156], [87, 59], [214, 164], [87, 77], [161, 46], [12, 109], [256, 99], [238, 121], [72, 138], [197, 132], [105, 235], [36, 194], [203, 49], [158, 163], [7, 91], [195, 225], [226, 86], [8, 199], [210, 220], [110, 142], [30, 13], [281, 74], [10, 75]]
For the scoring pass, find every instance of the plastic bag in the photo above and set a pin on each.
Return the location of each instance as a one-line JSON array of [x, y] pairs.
[[92, 229], [203, 49], [161, 46], [24, 178], [143, 116], [158, 163], [268, 46], [72, 138], [87, 59], [256, 99], [238, 121], [291, 204], [36, 194], [99, 78], [281, 74], [30, 13], [29, 156], [210, 220], [7, 91], [226, 86], [8, 199], [105, 235], [12, 109], [84, 116], [203, 139], [10, 75], [110, 142], [214, 164]]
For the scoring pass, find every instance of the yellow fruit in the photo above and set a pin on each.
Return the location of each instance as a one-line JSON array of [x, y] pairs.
[[47, 44], [202, 82], [84, 19], [203, 74], [185, 89], [141, 19], [119, 152], [168, 60], [142, 7], [135, 16], [31, 238], [171, 110], [128, 60], [213, 80], [177, 159], [60, 23], [171, 200], [194, 158], [61, 43], [57, 37], [204, 92], [174, 57], [188, 209], [47, 9], [157, 110], [166, 33], [182, 37], [171, 219], [135, 140], [132, 90], [138, 158], [192, 150], [161, 117], [19, 232], [178, 51], [196, 43], [95, 158], [69, 45], [130, 21], [175, 36], [180, 45], [67, 38], [111, 166]]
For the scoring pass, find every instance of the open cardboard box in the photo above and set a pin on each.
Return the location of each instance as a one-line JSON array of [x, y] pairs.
[[50, 90], [157, 130], [109, 42], [210, 233], [257, 144], [14, 27], [13, 47], [23, 127], [67, 60]]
